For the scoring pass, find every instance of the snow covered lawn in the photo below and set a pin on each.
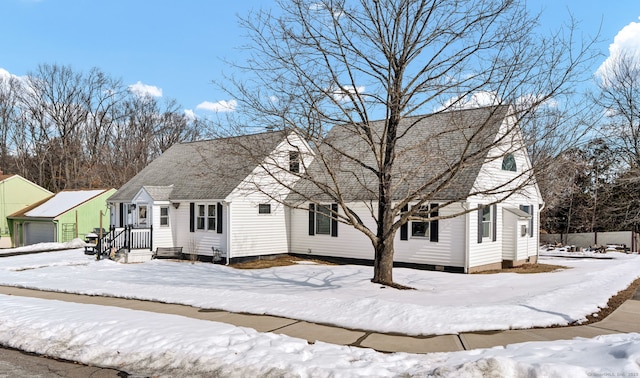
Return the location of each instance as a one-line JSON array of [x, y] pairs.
[[443, 303], [145, 343]]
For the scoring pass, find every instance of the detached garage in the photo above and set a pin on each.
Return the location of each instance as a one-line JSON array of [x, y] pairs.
[[67, 215], [39, 232]]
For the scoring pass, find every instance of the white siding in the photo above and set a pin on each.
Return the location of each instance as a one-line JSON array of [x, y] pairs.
[[515, 246], [254, 234], [141, 199], [510, 235], [200, 241], [162, 235], [487, 252], [448, 251], [351, 243], [524, 242], [510, 189]]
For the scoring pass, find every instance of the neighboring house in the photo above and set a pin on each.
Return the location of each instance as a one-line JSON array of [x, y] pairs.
[[202, 196], [16, 193], [65, 216], [482, 228]]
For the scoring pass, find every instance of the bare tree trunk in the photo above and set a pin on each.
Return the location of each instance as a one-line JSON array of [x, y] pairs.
[[383, 263]]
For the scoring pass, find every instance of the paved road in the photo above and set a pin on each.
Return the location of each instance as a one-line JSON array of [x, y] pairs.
[[14, 363]]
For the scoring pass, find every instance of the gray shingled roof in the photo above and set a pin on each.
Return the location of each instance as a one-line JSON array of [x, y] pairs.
[[159, 193], [208, 169], [429, 145]]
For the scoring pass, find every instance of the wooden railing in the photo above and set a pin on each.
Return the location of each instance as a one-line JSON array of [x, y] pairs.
[[125, 239]]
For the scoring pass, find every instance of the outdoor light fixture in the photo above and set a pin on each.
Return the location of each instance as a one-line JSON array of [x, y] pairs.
[[176, 205]]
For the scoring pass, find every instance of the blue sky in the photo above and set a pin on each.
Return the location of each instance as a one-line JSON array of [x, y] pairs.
[[175, 48]]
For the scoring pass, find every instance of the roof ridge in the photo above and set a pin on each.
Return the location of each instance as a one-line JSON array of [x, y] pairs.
[[223, 138]]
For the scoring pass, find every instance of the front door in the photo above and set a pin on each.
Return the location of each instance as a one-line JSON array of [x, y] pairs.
[[143, 216]]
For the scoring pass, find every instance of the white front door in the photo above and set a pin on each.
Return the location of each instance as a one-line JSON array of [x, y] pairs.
[[143, 219]]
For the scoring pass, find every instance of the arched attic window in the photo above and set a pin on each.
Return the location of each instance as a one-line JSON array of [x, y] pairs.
[[509, 163]]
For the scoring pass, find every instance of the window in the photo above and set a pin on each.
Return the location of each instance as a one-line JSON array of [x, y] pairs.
[[129, 212], [211, 217], [523, 230], [294, 161], [421, 229], [164, 216], [264, 208], [206, 217], [509, 163], [200, 219], [142, 214], [323, 220], [529, 210], [486, 222]]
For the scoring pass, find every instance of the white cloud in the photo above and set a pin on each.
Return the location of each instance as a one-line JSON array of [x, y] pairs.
[[342, 94], [6, 77], [481, 99], [144, 90], [4, 74], [535, 101], [220, 106], [626, 41], [190, 114], [475, 100]]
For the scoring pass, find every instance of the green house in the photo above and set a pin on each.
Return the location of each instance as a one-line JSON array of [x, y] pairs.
[[16, 194], [67, 215]]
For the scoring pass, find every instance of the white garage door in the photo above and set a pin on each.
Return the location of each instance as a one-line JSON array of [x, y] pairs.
[[39, 232]]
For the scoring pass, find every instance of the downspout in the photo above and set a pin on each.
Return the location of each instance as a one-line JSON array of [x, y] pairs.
[[288, 214], [56, 231], [3, 212], [228, 227], [465, 206]]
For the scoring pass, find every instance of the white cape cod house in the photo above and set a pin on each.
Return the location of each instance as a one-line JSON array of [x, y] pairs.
[[486, 214], [201, 196]]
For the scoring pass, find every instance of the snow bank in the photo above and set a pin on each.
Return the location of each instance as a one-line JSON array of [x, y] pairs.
[[142, 343]]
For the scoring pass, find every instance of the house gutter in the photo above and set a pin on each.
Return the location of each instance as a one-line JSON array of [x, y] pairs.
[[540, 208], [465, 206]]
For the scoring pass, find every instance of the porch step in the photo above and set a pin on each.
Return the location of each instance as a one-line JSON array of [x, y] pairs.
[[136, 256]]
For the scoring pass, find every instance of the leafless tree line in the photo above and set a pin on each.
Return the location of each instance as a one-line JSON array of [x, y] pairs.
[[66, 129], [596, 185]]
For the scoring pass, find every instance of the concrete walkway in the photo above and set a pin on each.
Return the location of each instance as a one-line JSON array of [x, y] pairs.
[[625, 319]]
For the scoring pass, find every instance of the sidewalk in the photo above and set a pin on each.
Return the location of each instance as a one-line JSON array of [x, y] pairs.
[[624, 319]]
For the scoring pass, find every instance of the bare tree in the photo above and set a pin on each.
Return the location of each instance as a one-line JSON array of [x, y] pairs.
[[173, 127], [104, 101], [343, 63], [620, 97], [66, 129], [56, 94], [9, 89]]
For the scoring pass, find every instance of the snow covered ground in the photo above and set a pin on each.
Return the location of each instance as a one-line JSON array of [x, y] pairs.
[[145, 343]]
